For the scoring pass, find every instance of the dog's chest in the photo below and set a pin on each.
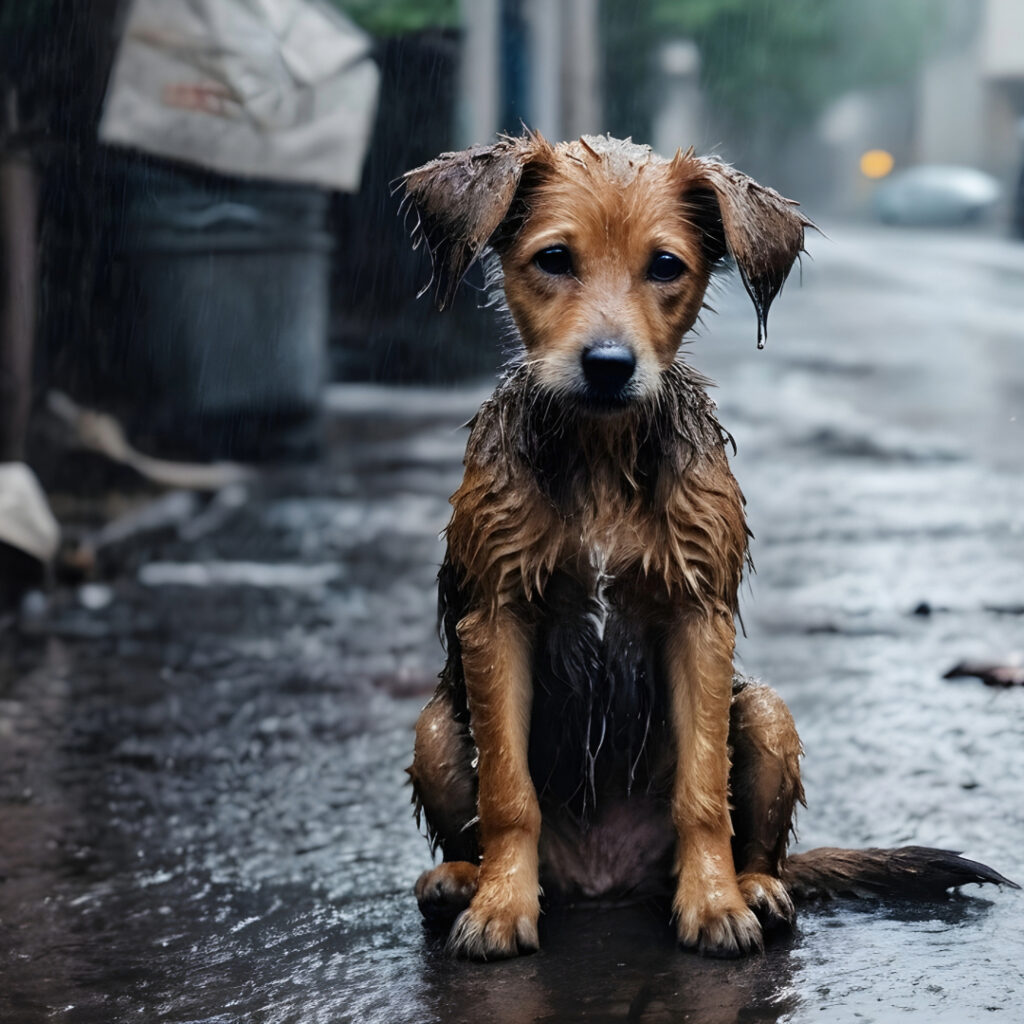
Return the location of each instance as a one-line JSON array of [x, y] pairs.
[[680, 535], [598, 687]]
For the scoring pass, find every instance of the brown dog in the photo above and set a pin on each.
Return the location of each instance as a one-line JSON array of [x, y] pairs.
[[582, 731]]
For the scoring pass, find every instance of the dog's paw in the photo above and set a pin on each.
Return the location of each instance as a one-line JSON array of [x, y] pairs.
[[768, 897], [719, 928], [488, 930], [445, 891]]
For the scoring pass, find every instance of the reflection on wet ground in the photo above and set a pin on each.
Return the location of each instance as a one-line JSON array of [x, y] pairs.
[[203, 814]]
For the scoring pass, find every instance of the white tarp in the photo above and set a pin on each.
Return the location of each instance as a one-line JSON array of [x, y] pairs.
[[26, 522], [280, 89]]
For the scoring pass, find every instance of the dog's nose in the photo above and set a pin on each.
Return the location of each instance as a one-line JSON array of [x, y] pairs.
[[607, 366]]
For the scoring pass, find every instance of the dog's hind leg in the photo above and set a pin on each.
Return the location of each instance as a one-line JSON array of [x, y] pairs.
[[445, 891], [444, 792], [765, 788]]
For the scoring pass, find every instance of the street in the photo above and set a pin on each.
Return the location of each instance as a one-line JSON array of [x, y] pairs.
[[203, 807]]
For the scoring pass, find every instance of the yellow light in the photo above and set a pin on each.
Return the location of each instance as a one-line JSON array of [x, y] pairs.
[[876, 163]]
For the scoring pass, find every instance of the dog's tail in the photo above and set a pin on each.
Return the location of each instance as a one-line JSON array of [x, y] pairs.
[[917, 872]]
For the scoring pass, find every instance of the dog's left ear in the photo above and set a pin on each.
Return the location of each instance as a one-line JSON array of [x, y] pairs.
[[460, 199], [762, 230]]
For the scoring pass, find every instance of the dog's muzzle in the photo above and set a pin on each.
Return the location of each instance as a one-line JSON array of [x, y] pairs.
[[607, 368]]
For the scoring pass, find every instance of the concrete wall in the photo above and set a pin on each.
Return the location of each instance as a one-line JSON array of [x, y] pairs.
[[1002, 49], [479, 99], [952, 101], [564, 54], [971, 97]]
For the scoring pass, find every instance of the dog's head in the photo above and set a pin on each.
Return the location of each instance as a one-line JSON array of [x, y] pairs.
[[606, 250]]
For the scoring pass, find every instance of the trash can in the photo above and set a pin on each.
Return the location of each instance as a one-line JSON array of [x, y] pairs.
[[223, 327]]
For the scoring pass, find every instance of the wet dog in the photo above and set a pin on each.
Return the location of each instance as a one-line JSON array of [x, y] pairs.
[[588, 731]]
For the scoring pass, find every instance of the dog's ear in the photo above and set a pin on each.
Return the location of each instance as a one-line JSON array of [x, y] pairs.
[[762, 230], [459, 201]]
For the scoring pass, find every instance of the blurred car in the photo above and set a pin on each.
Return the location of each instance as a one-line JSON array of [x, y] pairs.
[[935, 194]]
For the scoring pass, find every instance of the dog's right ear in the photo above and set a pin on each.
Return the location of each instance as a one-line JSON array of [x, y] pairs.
[[459, 200]]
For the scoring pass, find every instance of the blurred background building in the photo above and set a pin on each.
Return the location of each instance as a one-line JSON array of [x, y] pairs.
[[797, 93], [794, 91]]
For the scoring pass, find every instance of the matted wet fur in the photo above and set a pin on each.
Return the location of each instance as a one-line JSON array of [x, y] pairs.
[[588, 729]]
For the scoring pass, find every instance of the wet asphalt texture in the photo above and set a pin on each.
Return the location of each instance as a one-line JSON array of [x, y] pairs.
[[203, 809]]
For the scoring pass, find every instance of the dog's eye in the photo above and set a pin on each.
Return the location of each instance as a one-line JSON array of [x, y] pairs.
[[665, 267], [554, 260]]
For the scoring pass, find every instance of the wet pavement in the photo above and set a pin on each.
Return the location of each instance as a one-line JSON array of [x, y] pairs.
[[203, 809]]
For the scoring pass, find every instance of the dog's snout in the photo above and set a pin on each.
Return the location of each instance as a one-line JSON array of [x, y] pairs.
[[608, 366]]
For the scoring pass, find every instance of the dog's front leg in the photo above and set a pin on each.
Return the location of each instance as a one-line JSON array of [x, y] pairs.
[[501, 920], [709, 909]]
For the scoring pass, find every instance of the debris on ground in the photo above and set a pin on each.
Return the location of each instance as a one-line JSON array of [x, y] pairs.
[[990, 673], [26, 522], [100, 433], [29, 533]]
